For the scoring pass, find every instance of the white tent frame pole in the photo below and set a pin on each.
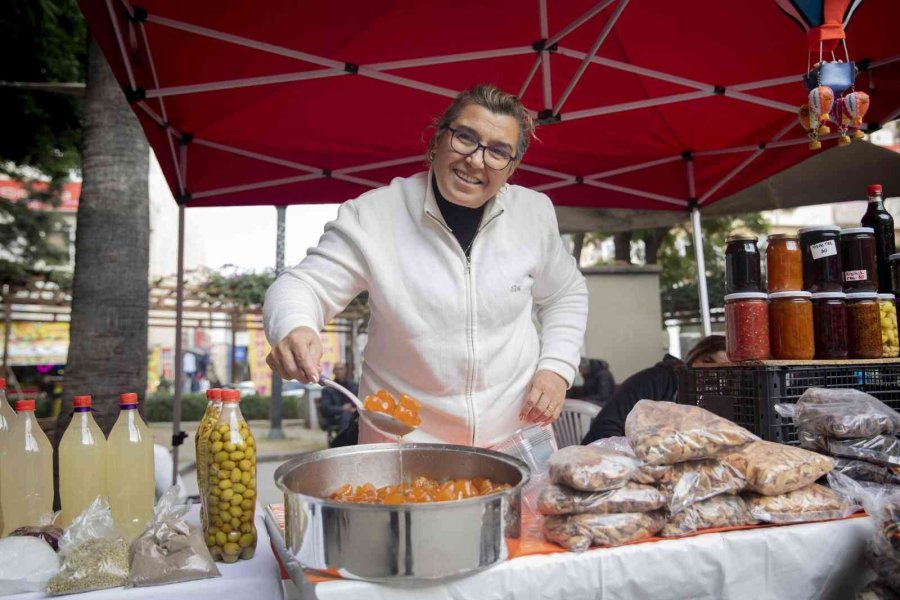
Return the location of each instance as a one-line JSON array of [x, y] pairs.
[[884, 61], [546, 82], [701, 269], [638, 104], [604, 33], [233, 84], [546, 187], [361, 181], [380, 165], [235, 189], [121, 43], [547, 172], [451, 58], [637, 167], [179, 360], [634, 192], [530, 76], [587, 16], [262, 157]]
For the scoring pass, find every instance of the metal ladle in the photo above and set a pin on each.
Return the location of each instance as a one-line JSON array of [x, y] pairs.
[[382, 422]]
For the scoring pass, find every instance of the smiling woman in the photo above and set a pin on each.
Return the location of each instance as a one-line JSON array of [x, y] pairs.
[[455, 261]]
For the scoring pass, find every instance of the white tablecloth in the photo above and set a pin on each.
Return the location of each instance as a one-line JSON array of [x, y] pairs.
[[259, 577], [823, 561]]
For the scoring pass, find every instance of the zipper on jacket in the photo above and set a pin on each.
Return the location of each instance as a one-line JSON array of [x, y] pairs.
[[470, 319]]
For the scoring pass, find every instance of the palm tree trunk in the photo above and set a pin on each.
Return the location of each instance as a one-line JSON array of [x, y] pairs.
[[110, 291]]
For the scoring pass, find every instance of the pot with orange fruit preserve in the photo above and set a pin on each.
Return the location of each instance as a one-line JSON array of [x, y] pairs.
[[349, 510]]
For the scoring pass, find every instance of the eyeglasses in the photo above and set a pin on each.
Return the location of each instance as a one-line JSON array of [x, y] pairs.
[[465, 143]]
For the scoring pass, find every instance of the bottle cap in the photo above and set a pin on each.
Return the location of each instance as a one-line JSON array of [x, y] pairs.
[[790, 294], [862, 296], [2, 383], [890, 297], [25, 406], [829, 296], [746, 296], [874, 189], [857, 230], [130, 398], [81, 401], [214, 394], [231, 396]]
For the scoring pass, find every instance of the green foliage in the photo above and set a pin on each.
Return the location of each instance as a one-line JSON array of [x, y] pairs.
[[243, 290], [678, 280], [42, 41], [32, 240], [253, 407]]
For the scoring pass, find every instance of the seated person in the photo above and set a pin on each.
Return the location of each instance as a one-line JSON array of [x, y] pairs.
[[599, 383], [337, 409], [659, 382]]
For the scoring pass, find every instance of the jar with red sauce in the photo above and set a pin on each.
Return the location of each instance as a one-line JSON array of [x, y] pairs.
[[864, 325], [791, 326], [747, 326], [830, 325]]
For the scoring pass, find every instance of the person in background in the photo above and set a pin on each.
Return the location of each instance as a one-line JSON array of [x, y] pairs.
[[337, 409], [659, 382], [599, 383]]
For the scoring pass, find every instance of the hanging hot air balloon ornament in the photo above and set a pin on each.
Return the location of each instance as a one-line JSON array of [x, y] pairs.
[[829, 83]]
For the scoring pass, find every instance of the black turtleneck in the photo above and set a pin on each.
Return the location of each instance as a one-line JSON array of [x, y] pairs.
[[462, 220]]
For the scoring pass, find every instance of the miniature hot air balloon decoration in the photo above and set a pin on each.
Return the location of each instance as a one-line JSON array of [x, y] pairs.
[[829, 83]]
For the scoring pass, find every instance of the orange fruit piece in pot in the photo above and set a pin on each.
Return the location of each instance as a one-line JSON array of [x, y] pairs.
[[407, 416]]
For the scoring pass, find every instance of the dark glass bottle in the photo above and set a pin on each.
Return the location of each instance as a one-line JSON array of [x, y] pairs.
[[882, 222]]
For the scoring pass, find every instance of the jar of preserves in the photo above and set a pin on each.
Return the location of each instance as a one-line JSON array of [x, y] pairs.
[[820, 246], [742, 271], [830, 325], [791, 326], [784, 263], [863, 325], [858, 263], [231, 494], [894, 262], [747, 326], [890, 348]]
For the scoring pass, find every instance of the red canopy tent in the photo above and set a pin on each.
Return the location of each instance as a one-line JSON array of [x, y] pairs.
[[646, 104]]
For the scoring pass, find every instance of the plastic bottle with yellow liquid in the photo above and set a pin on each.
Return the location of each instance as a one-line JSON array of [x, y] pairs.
[[130, 481], [201, 447], [82, 462], [26, 476], [7, 420]]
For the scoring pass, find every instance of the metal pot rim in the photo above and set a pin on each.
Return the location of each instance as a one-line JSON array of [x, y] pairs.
[[290, 465]]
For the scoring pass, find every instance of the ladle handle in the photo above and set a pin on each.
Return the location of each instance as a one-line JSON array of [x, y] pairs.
[[343, 390]]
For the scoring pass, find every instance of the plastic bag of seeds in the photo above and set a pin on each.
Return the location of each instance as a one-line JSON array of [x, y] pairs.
[[631, 498], [811, 503], [773, 469], [579, 532], [95, 556], [592, 469], [718, 511], [695, 481], [665, 433], [170, 550]]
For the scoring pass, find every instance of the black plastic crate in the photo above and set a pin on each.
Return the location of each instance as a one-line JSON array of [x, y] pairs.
[[747, 395]]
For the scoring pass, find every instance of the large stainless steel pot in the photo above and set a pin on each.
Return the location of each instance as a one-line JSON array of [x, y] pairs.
[[413, 541]]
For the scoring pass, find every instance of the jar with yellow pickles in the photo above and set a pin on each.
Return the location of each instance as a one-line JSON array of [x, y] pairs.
[[890, 344], [231, 494], [201, 446]]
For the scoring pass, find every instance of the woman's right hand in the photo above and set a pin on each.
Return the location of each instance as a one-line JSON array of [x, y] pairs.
[[297, 356]]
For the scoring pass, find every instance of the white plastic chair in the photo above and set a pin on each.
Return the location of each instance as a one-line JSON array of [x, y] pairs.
[[574, 421]]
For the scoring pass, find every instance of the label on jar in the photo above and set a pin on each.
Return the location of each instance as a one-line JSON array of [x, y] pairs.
[[823, 249], [856, 275]]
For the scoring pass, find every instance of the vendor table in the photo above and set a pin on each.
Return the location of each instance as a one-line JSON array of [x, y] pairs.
[[259, 577], [817, 560]]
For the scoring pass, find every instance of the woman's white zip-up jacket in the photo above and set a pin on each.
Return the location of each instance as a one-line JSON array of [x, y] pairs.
[[455, 333]]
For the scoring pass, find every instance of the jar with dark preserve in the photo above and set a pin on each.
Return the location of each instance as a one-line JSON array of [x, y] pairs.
[[860, 268], [791, 326], [784, 263], [880, 220], [742, 271], [863, 325], [830, 325], [894, 261], [821, 258], [746, 326]]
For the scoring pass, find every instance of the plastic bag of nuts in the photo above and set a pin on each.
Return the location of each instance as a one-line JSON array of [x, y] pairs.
[[669, 433], [231, 531], [632, 497], [695, 481], [719, 511], [843, 413], [592, 469], [772, 469], [811, 503], [579, 532], [648, 474]]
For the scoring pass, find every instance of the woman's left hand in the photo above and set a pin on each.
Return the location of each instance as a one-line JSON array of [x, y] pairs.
[[545, 397]]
